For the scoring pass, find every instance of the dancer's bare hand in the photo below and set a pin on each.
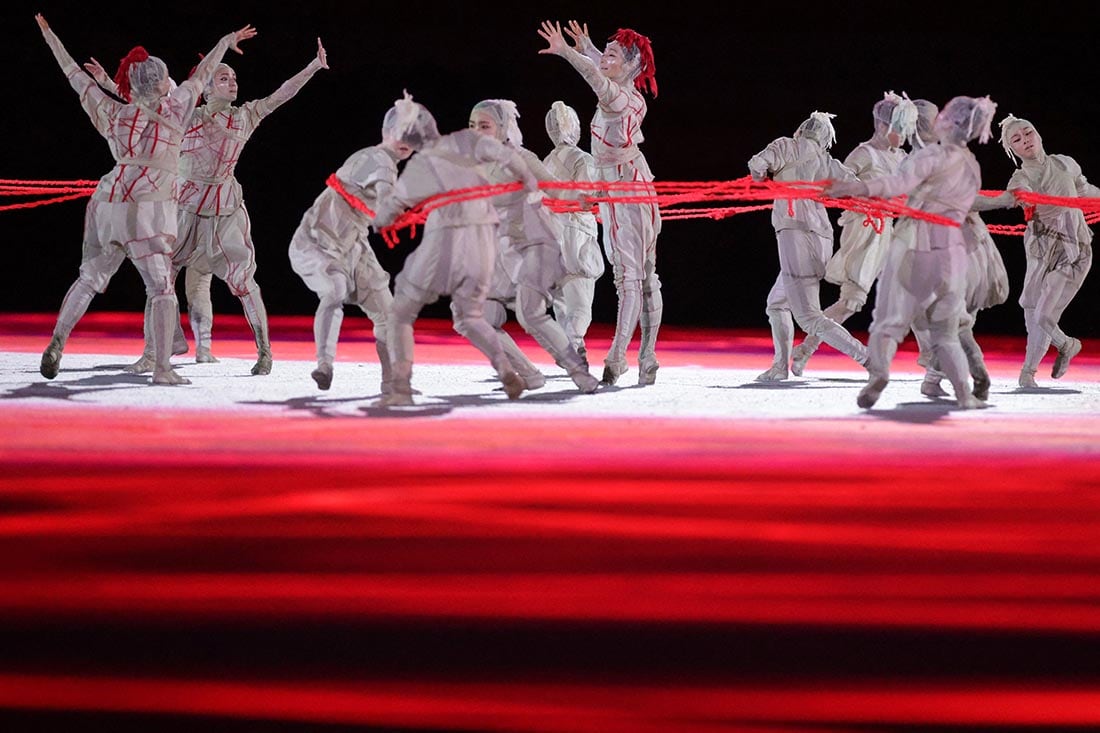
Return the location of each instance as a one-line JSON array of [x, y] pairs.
[[322, 56], [555, 41], [42, 24], [242, 35], [97, 71], [579, 34]]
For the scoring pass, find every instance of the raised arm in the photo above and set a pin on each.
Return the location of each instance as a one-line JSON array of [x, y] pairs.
[[582, 41], [607, 92], [102, 78], [97, 105], [290, 87], [204, 72]]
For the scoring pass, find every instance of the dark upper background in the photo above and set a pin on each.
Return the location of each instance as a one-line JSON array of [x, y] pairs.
[[731, 79]]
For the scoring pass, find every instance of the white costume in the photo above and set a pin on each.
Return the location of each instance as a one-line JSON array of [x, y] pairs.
[[805, 238], [857, 262], [630, 230], [132, 213], [214, 229], [924, 281], [458, 249], [1057, 244], [580, 248], [331, 253], [530, 254]]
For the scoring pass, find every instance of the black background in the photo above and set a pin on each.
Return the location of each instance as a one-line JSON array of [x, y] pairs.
[[732, 78]]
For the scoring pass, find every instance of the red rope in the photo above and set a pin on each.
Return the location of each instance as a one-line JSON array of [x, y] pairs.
[[338, 186], [671, 197], [57, 191]]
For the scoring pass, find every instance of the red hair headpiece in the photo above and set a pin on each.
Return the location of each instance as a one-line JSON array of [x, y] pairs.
[[647, 73], [122, 76]]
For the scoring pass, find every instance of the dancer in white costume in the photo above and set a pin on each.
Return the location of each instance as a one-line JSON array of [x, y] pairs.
[[132, 213], [331, 253], [857, 262], [923, 282], [805, 238], [530, 250], [215, 234], [986, 283], [1057, 243], [458, 249], [580, 247], [617, 76]]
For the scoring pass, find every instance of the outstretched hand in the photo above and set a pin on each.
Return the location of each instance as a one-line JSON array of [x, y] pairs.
[[97, 71], [555, 41], [42, 24], [321, 55], [242, 35], [579, 34]]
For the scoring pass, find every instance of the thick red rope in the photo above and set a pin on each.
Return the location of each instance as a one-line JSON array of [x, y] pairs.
[[671, 197]]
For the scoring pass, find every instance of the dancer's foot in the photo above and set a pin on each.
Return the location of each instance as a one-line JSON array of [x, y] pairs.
[[799, 356], [263, 364], [1027, 379], [612, 371], [144, 365], [203, 356], [647, 373], [51, 359], [169, 377], [1070, 349], [777, 373], [870, 393], [322, 375], [513, 385]]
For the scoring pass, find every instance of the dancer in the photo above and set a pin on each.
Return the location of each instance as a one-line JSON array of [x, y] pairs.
[[580, 248], [132, 212], [986, 283], [458, 247], [805, 238], [331, 253], [215, 234], [923, 282], [617, 76], [858, 261], [1057, 243], [530, 247]]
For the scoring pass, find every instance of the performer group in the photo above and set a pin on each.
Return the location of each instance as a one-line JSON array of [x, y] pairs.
[[172, 202]]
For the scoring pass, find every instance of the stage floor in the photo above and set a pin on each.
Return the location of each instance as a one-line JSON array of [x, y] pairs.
[[708, 553]]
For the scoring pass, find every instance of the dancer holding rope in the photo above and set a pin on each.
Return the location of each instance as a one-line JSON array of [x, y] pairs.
[[857, 262], [804, 236], [923, 282], [331, 253], [133, 210], [580, 247], [617, 76], [1057, 243], [458, 249], [530, 251]]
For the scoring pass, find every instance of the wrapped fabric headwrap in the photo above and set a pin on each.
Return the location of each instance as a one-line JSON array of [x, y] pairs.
[[923, 133], [410, 123], [506, 115], [562, 124], [818, 127]]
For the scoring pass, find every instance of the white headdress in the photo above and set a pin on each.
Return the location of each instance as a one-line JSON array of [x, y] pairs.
[[506, 115], [818, 127], [562, 124]]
